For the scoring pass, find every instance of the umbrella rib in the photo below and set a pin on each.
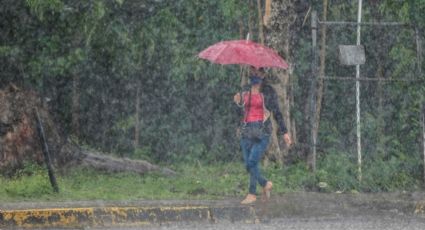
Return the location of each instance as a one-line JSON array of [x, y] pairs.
[[223, 48]]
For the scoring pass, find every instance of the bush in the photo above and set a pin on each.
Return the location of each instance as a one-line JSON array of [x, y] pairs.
[[295, 177], [389, 175], [36, 185], [338, 171]]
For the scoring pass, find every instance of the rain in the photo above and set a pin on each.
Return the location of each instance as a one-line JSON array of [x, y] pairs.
[[113, 101]]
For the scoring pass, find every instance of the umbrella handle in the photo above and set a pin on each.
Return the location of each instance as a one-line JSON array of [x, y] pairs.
[[241, 102]]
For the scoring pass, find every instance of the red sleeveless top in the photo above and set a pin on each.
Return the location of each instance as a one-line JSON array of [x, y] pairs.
[[254, 110]]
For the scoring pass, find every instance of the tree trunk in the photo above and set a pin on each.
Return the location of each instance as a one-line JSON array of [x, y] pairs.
[[423, 139], [260, 22], [267, 12], [320, 81], [380, 72], [137, 117], [103, 118], [100, 161], [380, 119], [242, 35], [75, 123], [284, 24], [20, 141], [250, 19], [241, 21]]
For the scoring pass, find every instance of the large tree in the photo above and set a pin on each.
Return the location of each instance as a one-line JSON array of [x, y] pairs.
[[285, 26]]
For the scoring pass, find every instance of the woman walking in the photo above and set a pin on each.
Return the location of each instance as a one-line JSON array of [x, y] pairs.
[[257, 101]]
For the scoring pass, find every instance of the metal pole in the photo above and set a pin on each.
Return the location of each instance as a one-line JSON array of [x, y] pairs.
[[45, 149], [418, 51], [419, 71], [359, 146], [313, 88], [423, 135]]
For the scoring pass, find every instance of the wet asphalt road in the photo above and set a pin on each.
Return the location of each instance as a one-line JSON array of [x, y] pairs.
[[378, 222], [307, 211]]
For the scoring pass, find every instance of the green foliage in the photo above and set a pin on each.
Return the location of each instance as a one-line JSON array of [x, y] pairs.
[[293, 178], [29, 183], [9, 51], [117, 47], [31, 187], [30, 169], [206, 181], [407, 11], [144, 153], [41, 7], [196, 181], [234, 10], [405, 59], [338, 170], [193, 182], [386, 176]]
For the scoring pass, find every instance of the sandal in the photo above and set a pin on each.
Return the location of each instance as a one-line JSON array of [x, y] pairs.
[[250, 198], [267, 191]]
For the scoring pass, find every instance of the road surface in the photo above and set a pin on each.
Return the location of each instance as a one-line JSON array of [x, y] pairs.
[[369, 222]]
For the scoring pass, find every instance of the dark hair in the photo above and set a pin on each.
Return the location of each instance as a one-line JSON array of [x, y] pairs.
[[261, 69]]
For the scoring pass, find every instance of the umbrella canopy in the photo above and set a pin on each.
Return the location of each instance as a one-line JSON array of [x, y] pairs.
[[243, 52]]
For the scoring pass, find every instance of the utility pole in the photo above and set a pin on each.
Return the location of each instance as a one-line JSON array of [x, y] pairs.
[[419, 73], [359, 143], [312, 161], [423, 135]]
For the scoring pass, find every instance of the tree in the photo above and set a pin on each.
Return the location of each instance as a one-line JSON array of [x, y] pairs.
[[283, 35]]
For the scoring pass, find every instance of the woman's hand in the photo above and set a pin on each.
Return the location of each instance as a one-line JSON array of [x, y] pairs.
[[237, 98], [287, 139]]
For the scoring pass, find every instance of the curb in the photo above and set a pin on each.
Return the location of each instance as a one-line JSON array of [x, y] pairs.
[[120, 216]]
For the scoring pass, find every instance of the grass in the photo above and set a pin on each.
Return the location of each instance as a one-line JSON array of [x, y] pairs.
[[194, 181]]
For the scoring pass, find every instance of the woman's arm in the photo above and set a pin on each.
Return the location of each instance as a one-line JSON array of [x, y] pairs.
[[273, 105]]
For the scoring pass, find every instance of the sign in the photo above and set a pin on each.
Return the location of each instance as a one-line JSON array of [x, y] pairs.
[[352, 55]]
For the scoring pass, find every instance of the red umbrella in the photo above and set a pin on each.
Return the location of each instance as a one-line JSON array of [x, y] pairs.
[[243, 52]]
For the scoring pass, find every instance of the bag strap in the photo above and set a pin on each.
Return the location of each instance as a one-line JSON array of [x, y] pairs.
[[249, 105], [266, 112]]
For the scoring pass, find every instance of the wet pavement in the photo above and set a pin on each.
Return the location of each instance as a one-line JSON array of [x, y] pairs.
[[289, 211], [378, 222]]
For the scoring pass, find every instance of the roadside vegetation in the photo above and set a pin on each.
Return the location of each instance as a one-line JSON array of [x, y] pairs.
[[204, 181], [123, 77]]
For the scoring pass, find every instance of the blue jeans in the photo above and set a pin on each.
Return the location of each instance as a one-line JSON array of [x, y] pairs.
[[253, 150]]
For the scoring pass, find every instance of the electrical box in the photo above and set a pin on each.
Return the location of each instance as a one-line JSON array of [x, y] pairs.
[[352, 54]]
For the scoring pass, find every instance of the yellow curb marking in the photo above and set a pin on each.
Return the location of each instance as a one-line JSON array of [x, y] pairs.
[[72, 217], [420, 208], [63, 217]]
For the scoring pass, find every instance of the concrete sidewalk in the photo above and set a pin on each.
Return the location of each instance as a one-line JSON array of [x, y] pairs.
[[80, 214]]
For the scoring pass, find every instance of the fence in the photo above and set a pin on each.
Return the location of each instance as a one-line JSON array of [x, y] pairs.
[[385, 118]]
